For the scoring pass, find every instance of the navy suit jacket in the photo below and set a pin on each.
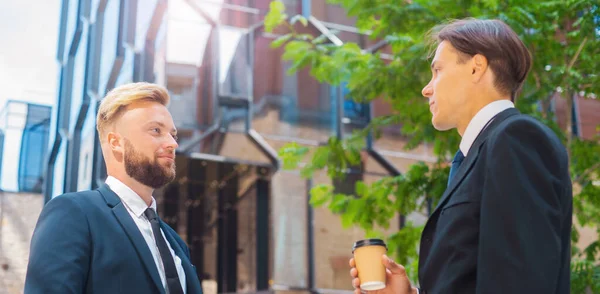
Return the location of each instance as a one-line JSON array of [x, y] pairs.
[[86, 242]]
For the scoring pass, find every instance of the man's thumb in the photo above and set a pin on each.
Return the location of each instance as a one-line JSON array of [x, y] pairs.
[[394, 268]]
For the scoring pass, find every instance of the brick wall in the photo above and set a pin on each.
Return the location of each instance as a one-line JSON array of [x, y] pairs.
[[19, 214]]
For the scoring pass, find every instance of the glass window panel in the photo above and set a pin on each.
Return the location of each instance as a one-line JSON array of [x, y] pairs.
[[145, 10], [79, 69], [94, 8], [186, 42], [53, 119], [72, 19], [4, 116], [293, 106], [233, 61], [32, 151], [187, 33], [10, 157], [89, 125], [16, 115], [109, 40], [32, 158], [182, 11], [59, 171], [127, 68], [17, 108], [88, 136], [183, 104], [160, 55]]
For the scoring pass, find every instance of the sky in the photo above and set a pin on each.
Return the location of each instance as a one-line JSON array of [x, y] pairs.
[[28, 66], [28, 42]]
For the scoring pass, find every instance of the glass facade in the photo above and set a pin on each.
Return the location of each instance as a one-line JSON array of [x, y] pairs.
[[25, 130], [234, 105]]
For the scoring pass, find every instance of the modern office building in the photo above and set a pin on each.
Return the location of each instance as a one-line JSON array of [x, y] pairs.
[[247, 221], [24, 133]]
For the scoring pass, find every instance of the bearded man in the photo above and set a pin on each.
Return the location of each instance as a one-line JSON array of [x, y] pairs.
[[110, 240]]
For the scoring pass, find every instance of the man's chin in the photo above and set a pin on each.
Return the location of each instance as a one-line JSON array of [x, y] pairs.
[[440, 126], [171, 174]]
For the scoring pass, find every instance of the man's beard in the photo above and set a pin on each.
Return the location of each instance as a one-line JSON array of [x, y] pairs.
[[145, 171]]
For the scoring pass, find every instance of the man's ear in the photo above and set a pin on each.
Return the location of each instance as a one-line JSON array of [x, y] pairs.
[[479, 67], [114, 142]]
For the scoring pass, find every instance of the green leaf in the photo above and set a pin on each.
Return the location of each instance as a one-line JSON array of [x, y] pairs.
[[291, 154], [361, 188], [320, 195], [321, 156], [338, 203], [279, 41], [275, 16], [491, 4]]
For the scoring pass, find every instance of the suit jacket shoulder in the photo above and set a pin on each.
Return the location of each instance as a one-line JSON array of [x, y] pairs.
[[524, 131], [84, 199]]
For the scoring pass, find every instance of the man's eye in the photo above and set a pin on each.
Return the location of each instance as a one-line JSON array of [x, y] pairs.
[[157, 130]]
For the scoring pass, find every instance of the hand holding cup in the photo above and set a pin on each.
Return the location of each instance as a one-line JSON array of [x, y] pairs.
[[372, 271]]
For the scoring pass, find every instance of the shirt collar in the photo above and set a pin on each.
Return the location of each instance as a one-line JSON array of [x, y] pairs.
[[131, 199], [480, 120]]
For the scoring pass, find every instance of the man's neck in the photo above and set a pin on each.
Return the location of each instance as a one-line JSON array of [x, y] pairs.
[[474, 108], [140, 189]]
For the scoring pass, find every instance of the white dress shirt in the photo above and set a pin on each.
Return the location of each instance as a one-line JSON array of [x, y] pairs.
[[480, 120], [136, 207]]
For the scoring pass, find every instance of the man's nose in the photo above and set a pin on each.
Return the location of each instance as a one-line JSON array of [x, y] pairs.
[[427, 91], [172, 144]]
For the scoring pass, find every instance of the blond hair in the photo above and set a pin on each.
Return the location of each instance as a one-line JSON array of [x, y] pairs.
[[115, 102]]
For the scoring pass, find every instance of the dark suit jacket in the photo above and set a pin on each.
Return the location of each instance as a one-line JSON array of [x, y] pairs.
[[86, 242], [504, 223]]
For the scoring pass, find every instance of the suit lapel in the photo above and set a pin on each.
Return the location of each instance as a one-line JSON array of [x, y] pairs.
[[472, 155], [193, 285], [134, 234]]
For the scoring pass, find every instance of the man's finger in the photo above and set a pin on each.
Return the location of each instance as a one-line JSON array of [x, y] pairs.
[[352, 263], [356, 283], [354, 272], [395, 268]]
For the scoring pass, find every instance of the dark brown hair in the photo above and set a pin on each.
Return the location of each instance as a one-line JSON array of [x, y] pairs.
[[507, 56]]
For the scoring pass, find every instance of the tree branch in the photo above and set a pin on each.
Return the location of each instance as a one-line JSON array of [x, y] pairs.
[[587, 172], [577, 53], [573, 60]]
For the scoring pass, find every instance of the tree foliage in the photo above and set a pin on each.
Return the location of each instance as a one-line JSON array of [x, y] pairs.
[[564, 39]]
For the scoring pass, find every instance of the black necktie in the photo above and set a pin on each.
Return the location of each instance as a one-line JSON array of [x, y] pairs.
[[458, 159], [165, 254]]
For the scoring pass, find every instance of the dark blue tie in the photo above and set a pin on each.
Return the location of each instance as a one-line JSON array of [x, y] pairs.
[[458, 159], [173, 283]]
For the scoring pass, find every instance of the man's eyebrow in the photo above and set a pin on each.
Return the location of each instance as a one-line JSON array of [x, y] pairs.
[[162, 125]]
